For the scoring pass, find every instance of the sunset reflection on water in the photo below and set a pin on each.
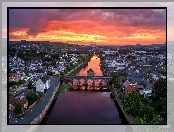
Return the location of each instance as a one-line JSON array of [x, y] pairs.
[[94, 64]]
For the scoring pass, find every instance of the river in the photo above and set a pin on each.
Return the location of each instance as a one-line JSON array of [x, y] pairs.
[[85, 107]]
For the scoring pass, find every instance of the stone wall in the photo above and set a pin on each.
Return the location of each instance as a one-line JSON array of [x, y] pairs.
[[40, 117], [128, 118]]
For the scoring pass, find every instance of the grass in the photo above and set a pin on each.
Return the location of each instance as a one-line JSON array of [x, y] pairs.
[[62, 88], [75, 72]]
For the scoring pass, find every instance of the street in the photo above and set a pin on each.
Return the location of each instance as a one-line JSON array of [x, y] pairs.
[[31, 114]]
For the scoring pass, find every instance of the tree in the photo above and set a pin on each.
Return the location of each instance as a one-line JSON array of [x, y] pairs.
[[14, 71], [10, 94], [116, 78], [30, 85], [159, 97], [18, 108], [71, 64], [163, 72], [39, 95], [50, 73], [131, 103], [147, 113], [53, 63], [30, 97], [129, 57]]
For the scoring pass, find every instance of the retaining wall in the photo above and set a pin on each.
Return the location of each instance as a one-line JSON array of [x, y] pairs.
[[40, 117], [128, 118]]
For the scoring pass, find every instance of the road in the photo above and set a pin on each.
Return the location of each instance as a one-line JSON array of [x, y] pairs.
[[31, 114]]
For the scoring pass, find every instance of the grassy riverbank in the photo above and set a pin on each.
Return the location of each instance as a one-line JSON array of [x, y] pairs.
[[78, 69], [62, 88]]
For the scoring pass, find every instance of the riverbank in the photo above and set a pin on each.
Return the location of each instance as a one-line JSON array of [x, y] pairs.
[[62, 88], [118, 101], [43, 122], [38, 119], [79, 106]]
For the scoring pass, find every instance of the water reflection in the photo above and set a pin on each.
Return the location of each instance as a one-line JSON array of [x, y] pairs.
[[84, 108], [78, 107], [93, 64]]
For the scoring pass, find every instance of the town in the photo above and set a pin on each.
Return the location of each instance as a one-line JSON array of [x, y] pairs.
[[35, 68]]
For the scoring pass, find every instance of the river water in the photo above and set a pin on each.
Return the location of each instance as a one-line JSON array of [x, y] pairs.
[[85, 107]]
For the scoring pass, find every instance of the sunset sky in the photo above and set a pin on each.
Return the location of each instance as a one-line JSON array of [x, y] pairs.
[[86, 26]]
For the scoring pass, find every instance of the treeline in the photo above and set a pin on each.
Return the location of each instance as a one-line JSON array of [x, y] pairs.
[[143, 110]]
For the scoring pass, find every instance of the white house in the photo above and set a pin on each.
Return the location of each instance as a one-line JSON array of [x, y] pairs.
[[42, 84], [118, 66]]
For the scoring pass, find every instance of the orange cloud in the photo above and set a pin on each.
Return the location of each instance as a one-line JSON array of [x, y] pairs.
[[97, 26]]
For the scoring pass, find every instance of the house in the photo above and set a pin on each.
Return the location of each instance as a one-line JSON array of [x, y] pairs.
[[125, 84], [24, 78], [161, 56], [33, 63], [146, 64], [148, 86], [30, 73], [147, 93], [56, 70], [14, 77], [16, 69], [136, 76], [14, 100], [60, 61], [34, 80], [130, 89], [42, 84], [40, 72], [24, 102], [140, 89], [50, 67]]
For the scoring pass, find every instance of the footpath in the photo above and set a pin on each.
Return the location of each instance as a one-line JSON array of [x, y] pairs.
[[74, 69]]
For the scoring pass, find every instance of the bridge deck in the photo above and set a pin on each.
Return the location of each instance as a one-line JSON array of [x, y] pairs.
[[86, 77]]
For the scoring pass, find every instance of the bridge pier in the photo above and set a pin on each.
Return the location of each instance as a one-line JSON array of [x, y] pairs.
[[86, 82], [100, 81], [93, 83], [100, 84], [78, 82]]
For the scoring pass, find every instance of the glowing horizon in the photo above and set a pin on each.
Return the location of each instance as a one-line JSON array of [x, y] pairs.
[[89, 26]]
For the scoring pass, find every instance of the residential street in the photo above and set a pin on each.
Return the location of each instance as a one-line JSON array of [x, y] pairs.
[[35, 111]]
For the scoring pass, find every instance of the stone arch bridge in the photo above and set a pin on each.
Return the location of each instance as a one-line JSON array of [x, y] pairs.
[[86, 78]]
